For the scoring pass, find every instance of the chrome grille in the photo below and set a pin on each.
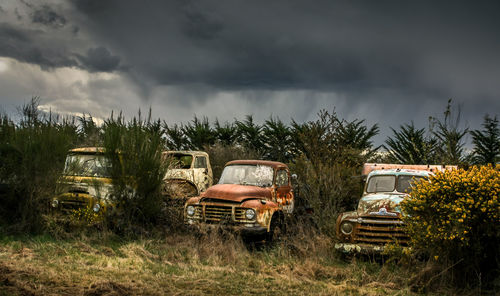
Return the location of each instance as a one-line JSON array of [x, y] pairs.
[[381, 230], [218, 213], [239, 214]]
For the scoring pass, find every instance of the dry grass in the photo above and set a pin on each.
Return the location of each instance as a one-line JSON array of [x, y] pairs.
[[187, 265]]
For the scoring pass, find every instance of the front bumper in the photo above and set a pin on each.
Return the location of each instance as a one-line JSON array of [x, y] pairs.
[[350, 248], [250, 231], [365, 249]]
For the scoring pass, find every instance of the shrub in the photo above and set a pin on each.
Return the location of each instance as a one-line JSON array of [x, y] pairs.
[[454, 218], [32, 154], [135, 148]]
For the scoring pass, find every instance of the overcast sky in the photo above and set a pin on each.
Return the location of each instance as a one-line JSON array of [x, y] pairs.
[[388, 62]]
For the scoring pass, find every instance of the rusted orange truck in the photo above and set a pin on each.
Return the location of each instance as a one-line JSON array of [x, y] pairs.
[[252, 198], [377, 219]]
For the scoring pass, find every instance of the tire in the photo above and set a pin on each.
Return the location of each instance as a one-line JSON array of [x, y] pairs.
[[276, 231]]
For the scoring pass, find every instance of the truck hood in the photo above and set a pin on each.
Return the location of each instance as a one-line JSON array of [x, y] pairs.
[[372, 204], [238, 193], [181, 174]]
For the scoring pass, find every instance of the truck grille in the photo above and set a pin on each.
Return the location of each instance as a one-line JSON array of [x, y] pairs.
[[216, 214], [381, 230], [69, 205]]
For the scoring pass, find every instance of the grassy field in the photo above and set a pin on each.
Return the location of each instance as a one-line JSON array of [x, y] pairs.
[[182, 264]]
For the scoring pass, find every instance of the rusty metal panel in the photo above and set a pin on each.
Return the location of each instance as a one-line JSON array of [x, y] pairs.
[[368, 167]]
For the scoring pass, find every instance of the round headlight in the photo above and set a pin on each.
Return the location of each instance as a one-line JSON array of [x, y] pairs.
[[346, 228], [54, 203], [190, 210], [96, 207], [250, 214]]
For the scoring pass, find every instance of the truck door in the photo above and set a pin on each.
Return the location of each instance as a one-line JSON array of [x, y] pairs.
[[284, 194], [201, 173]]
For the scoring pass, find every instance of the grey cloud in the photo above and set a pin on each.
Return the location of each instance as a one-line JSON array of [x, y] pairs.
[[47, 16], [23, 45], [291, 44], [99, 59]]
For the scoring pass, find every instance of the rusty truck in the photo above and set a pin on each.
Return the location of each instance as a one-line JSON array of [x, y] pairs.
[[377, 219], [189, 173], [252, 198]]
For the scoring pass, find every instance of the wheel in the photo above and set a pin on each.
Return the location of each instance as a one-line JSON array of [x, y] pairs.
[[276, 231]]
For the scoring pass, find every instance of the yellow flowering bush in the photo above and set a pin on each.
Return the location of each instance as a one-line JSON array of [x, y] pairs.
[[86, 215], [456, 216]]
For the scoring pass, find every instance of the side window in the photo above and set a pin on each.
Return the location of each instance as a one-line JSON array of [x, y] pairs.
[[282, 178], [200, 162]]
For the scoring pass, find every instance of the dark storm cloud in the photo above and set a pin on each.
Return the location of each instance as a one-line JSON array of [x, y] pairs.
[[99, 59], [36, 46], [341, 45], [47, 16], [23, 45]]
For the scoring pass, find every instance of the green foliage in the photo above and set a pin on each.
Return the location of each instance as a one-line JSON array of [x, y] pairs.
[[326, 167], [175, 138], [454, 218], [198, 134], [450, 137], [32, 155], [225, 134], [249, 134], [410, 146], [487, 142], [276, 140], [357, 135], [135, 148]]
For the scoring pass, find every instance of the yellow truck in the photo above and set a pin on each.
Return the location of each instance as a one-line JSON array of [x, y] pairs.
[[85, 181]]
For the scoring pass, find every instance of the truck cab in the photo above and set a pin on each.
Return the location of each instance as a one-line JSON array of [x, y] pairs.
[[189, 173], [253, 198], [377, 219]]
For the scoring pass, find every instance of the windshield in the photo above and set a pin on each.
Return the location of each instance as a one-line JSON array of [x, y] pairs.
[[257, 175], [388, 183], [179, 161], [381, 184], [87, 165], [405, 183]]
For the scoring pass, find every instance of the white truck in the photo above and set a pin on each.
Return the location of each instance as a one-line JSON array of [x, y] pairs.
[[189, 173]]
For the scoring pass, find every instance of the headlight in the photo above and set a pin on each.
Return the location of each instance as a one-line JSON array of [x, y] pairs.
[[54, 203], [250, 214], [190, 210], [346, 228], [96, 207]]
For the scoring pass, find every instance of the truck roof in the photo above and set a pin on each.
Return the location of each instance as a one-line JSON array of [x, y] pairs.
[[398, 172], [87, 150], [190, 152], [368, 167], [273, 164]]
